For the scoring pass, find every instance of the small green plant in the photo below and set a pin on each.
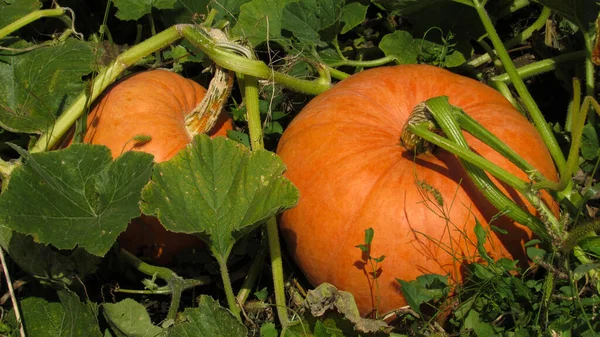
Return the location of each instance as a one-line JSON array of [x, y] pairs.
[[372, 261]]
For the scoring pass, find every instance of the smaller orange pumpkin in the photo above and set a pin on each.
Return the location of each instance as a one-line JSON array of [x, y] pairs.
[[154, 103]]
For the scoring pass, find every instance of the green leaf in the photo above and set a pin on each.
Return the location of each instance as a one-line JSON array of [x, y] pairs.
[[76, 196], [268, 330], [261, 20], [218, 189], [13, 10], [37, 85], [589, 143], [69, 318], [424, 289], [207, 320], [135, 9], [481, 329], [591, 244], [129, 318], [581, 270], [535, 253], [369, 234], [353, 14], [481, 236], [306, 18], [43, 261], [401, 45]]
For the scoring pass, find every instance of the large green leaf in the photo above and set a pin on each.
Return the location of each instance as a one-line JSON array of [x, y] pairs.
[[69, 318], [129, 318], [207, 320], [218, 189], [305, 19], [75, 197], [15, 9], [38, 85], [135, 9], [261, 20]]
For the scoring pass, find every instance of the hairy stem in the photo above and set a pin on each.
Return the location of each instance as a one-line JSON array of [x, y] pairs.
[[367, 64], [31, 17], [240, 64], [541, 67], [231, 302]]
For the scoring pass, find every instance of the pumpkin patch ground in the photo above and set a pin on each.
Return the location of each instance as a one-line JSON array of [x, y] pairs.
[[299, 168]]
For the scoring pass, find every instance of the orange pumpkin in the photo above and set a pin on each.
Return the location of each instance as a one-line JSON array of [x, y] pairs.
[[152, 103], [343, 153]]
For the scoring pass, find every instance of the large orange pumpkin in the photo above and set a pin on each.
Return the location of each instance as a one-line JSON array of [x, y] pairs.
[[152, 103], [343, 153]]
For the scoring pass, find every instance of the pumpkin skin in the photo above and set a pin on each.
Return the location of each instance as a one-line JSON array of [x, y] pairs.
[[343, 153], [151, 103]]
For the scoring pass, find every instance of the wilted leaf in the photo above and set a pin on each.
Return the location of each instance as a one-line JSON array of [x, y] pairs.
[[76, 196], [129, 318], [135, 9], [209, 319], [38, 85], [13, 10], [218, 189], [69, 318], [327, 297]]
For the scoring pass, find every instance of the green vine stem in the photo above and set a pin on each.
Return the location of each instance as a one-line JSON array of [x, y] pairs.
[[198, 36], [176, 283], [590, 80], [518, 39], [33, 16], [532, 108], [543, 66], [250, 85], [220, 55], [106, 76], [474, 166], [362, 63], [250, 88]]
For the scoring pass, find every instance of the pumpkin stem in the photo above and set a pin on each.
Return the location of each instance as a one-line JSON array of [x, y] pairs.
[[202, 118], [420, 115]]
